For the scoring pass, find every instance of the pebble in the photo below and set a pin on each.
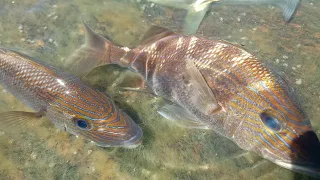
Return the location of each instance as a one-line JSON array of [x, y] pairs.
[[45, 28], [89, 151], [285, 57], [50, 40], [1, 133], [93, 169], [152, 4], [75, 152], [221, 19], [33, 155], [20, 28], [52, 165], [277, 60], [298, 81], [145, 172], [285, 64], [51, 14]]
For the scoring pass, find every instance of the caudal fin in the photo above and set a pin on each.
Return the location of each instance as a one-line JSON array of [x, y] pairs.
[[289, 8], [96, 51], [196, 13]]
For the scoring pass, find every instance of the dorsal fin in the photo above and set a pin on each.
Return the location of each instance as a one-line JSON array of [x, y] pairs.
[[156, 33]]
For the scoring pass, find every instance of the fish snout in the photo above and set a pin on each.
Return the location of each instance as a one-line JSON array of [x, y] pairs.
[[135, 133], [309, 146], [307, 160]]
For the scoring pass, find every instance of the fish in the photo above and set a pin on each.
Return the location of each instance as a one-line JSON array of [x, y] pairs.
[[249, 103], [64, 99], [197, 9]]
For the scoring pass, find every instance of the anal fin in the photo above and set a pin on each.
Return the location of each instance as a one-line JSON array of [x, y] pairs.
[[181, 116]]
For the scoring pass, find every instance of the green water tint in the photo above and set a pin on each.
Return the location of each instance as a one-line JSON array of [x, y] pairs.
[[168, 152]]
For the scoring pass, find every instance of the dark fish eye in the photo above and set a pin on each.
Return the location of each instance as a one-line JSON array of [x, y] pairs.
[[271, 122], [82, 123]]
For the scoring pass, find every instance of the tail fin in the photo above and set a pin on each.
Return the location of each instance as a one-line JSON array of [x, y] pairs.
[[96, 51], [196, 13], [289, 8]]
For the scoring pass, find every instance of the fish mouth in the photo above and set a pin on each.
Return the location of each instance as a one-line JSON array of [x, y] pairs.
[[135, 140], [308, 169], [308, 161]]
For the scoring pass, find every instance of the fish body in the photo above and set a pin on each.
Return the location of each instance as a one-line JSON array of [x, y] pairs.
[[68, 102], [196, 9], [249, 104]]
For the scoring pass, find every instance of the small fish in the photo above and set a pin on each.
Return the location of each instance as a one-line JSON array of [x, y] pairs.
[[247, 102], [197, 9], [64, 99]]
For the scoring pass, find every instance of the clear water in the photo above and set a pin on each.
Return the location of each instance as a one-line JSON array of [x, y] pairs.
[[51, 30]]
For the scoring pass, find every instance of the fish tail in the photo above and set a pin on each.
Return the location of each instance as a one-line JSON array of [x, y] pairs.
[[289, 8], [196, 12], [96, 51]]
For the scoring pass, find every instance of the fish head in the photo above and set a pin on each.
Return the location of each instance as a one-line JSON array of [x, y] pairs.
[[94, 115], [271, 122]]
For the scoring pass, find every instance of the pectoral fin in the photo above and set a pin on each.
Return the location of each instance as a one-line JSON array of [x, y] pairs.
[[180, 116], [201, 94], [196, 13], [19, 120]]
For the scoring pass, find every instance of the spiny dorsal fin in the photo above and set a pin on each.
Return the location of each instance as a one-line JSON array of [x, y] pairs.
[[156, 33]]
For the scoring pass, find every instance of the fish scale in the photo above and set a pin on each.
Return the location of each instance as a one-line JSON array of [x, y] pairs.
[[213, 84], [66, 100]]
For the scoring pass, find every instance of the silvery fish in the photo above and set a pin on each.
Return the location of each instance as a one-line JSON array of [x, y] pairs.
[[247, 102], [198, 8], [64, 99]]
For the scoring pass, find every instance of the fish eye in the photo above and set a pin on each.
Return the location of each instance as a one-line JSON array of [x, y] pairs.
[[271, 121], [82, 123]]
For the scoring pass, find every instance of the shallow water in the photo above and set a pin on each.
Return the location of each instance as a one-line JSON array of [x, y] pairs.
[[51, 30]]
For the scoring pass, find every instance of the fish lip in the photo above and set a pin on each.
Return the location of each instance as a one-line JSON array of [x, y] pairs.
[[135, 140], [310, 169], [131, 143]]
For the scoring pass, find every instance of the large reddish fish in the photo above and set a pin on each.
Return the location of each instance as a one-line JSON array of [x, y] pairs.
[[214, 84]]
